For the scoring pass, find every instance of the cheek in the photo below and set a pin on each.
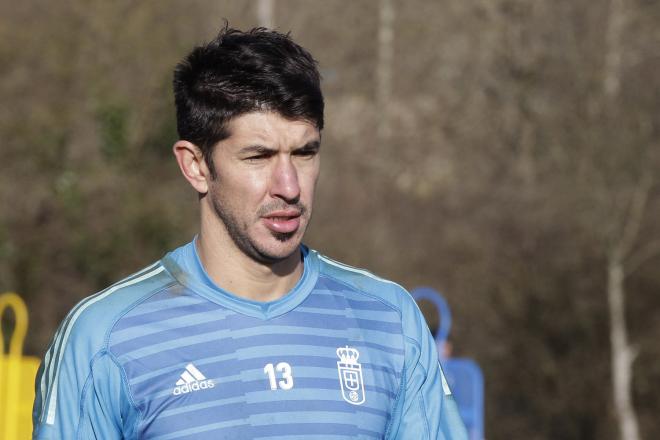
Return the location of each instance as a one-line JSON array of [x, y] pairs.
[[311, 187], [308, 178], [254, 189], [244, 187]]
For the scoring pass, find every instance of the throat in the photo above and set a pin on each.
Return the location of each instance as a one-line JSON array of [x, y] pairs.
[[249, 279]]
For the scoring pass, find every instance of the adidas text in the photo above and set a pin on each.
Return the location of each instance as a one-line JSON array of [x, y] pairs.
[[194, 386]]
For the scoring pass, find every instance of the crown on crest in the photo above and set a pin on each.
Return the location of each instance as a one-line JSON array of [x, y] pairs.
[[348, 355]]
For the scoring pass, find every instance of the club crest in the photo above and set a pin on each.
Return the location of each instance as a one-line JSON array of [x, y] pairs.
[[350, 375]]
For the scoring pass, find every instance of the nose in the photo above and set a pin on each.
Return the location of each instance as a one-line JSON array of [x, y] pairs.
[[284, 183]]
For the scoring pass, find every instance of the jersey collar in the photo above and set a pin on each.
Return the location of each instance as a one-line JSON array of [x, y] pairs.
[[256, 309]]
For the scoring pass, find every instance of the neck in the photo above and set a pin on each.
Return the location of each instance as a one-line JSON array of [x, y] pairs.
[[234, 271]]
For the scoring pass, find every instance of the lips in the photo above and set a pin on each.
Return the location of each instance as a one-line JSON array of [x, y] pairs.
[[282, 222]]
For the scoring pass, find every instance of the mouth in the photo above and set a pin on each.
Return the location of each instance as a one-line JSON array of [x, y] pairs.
[[282, 222]]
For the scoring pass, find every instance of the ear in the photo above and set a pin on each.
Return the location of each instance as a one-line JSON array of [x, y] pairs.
[[192, 165]]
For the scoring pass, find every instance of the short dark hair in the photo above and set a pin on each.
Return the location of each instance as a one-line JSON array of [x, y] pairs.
[[240, 72]]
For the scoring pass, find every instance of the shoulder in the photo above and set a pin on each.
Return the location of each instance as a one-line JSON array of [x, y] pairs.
[[367, 284], [91, 320], [80, 344]]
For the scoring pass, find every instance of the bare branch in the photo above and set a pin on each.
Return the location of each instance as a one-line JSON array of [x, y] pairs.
[[635, 216], [614, 54], [384, 68], [642, 256]]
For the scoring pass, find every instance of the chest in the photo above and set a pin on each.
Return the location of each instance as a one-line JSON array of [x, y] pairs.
[[221, 374]]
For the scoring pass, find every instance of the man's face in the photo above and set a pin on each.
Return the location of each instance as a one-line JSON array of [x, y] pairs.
[[266, 176]]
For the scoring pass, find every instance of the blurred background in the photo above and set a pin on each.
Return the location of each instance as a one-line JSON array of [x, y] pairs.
[[503, 152]]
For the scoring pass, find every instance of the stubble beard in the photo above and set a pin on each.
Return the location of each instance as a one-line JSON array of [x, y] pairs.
[[241, 238]]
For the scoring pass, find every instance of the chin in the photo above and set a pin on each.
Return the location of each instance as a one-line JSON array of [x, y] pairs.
[[280, 247]]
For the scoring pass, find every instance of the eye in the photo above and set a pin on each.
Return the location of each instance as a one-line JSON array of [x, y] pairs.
[[258, 157], [306, 152]]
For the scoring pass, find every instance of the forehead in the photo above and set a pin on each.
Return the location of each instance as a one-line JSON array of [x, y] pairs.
[[272, 129]]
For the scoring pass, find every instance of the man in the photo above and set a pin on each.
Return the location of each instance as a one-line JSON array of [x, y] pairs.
[[246, 333]]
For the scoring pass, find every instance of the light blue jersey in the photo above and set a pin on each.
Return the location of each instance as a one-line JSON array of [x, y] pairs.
[[166, 354]]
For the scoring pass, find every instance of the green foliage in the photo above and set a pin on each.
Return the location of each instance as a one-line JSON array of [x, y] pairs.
[[113, 119], [67, 191], [159, 141]]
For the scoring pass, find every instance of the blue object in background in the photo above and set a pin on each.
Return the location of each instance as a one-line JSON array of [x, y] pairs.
[[444, 315], [467, 384], [464, 375]]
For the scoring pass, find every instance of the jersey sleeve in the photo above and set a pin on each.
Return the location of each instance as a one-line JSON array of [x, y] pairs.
[[80, 393], [425, 408]]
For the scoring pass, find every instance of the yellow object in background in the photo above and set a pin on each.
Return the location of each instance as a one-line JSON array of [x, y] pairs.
[[17, 374]]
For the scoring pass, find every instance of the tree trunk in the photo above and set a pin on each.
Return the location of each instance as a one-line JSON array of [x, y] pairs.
[[384, 68], [623, 355], [266, 13]]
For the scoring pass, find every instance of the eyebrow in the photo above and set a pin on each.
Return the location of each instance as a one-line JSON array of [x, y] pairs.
[[314, 145], [255, 149]]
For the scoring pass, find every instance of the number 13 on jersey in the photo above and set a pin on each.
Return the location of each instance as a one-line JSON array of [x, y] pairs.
[[283, 370]]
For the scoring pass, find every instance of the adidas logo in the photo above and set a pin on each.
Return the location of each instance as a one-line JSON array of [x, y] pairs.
[[192, 380]]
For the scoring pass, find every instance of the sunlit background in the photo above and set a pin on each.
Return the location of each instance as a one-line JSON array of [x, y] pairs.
[[503, 152]]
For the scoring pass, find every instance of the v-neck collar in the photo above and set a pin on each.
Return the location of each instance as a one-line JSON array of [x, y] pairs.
[[256, 309]]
